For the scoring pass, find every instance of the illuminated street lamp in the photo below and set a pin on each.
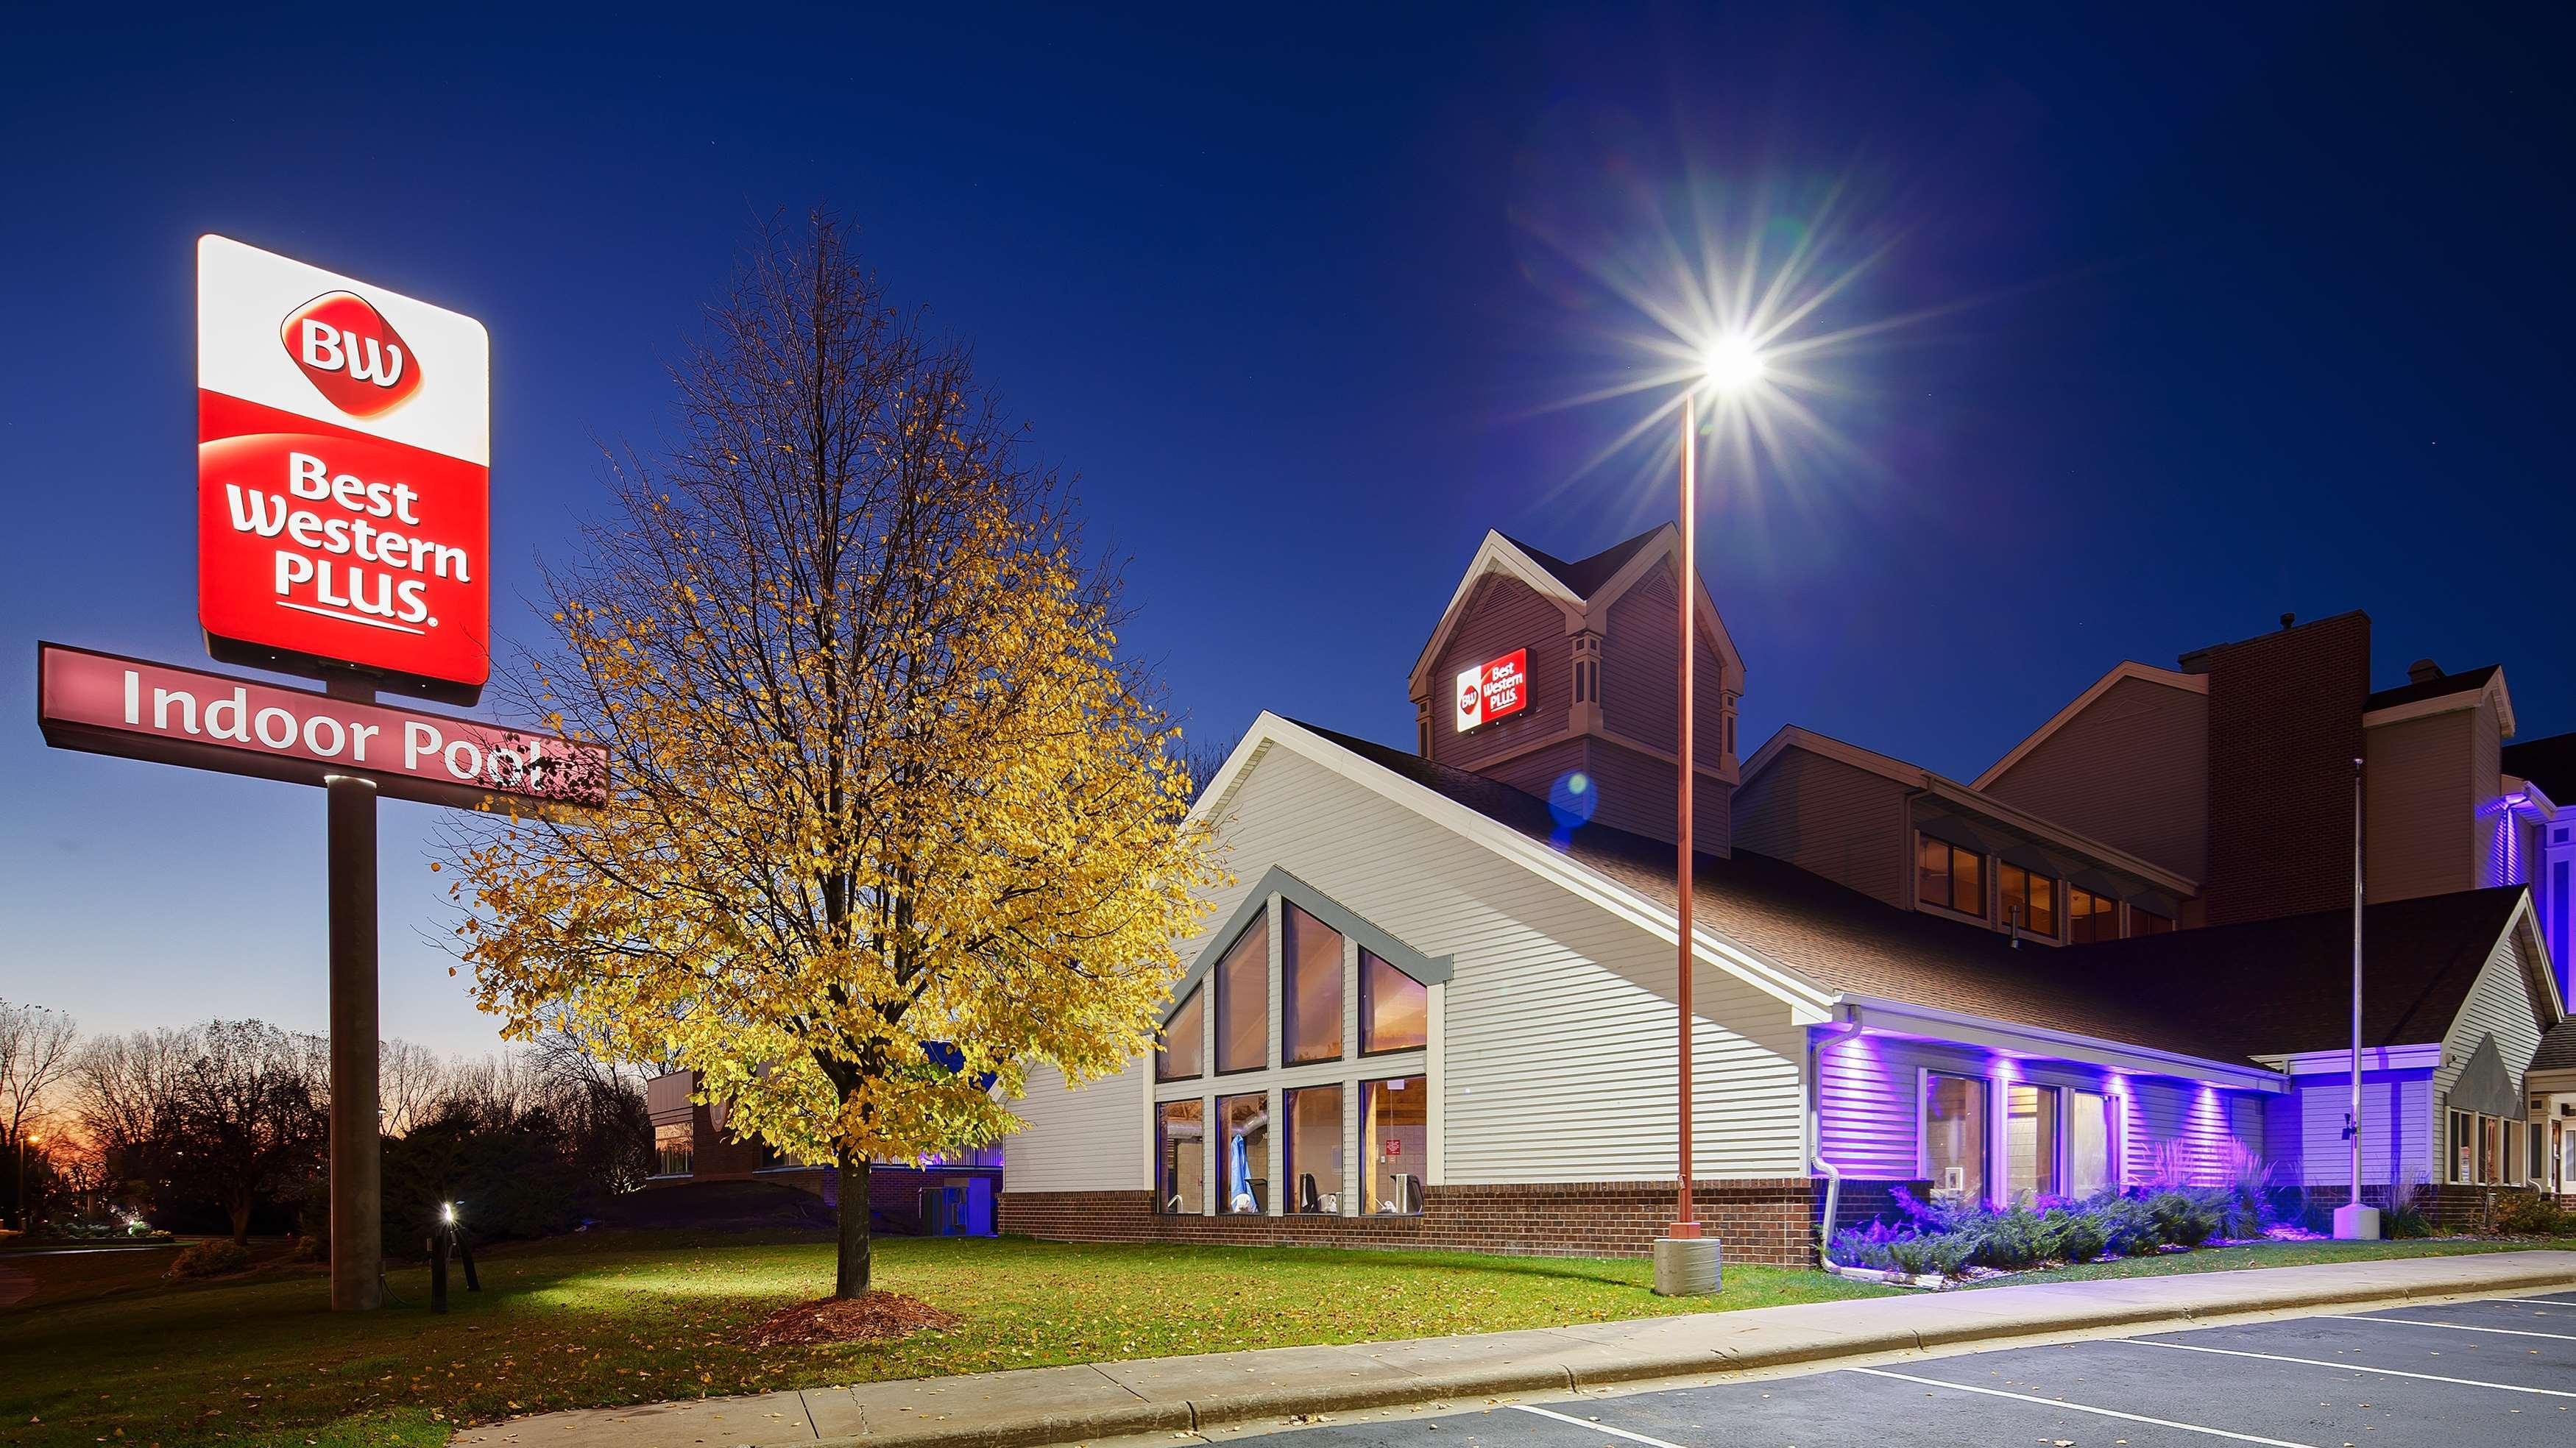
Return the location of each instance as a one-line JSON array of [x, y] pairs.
[[26, 1217], [1729, 366]]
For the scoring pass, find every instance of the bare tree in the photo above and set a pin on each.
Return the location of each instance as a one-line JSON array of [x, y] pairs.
[[247, 1116], [122, 1091], [35, 1055], [410, 1079]]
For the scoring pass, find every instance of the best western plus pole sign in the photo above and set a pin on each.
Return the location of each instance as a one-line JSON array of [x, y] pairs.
[[344, 454], [343, 526]]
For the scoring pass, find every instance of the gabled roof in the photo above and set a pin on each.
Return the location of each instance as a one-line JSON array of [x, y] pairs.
[[1584, 577], [1845, 941], [2126, 669], [1583, 590], [2558, 1048], [2223, 994], [2549, 763], [1966, 797], [2464, 682]]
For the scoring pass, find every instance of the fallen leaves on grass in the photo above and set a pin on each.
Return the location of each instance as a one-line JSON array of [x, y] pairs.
[[873, 1317]]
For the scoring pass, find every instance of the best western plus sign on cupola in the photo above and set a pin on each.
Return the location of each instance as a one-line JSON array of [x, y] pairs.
[[343, 476]]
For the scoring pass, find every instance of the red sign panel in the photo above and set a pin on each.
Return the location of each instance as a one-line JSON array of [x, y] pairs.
[[343, 476], [111, 705], [1493, 690]]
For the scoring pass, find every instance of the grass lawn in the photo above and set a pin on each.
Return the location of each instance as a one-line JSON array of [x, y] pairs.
[[2275, 1254], [619, 1317]]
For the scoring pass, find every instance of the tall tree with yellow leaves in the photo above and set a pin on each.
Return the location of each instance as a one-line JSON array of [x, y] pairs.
[[891, 821]]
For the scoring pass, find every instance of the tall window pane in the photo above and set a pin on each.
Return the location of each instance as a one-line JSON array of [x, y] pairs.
[[1180, 1155], [2090, 917], [1311, 996], [1395, 1009], [671, 1148], [1315, 1149], [2089, 1129], [1184, 1040], [2148, 922], [1246, 1164], [1954, 1137], [1243, 1001], [1950, 877], [1394, 1129], [2030, 1142], [2029, 899]]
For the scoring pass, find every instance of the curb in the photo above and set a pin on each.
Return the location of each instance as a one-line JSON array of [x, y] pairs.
[[1457, 1385]]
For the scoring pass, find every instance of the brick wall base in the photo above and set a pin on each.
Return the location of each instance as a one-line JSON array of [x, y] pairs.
[[1769, 1221]]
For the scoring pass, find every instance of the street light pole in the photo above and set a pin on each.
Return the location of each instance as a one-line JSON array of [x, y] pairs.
[[2353, 1221], [1685, 1221]]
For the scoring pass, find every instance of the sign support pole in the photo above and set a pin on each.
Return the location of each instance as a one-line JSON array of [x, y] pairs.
[[357, 1166]]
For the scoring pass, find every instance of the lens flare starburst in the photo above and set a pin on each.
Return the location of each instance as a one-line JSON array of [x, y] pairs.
[[1757, 305]]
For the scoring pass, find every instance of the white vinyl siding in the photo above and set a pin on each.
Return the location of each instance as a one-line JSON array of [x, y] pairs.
[[1872, 1121], [1086, 1139], [2500, 1004], [2305, 1129]]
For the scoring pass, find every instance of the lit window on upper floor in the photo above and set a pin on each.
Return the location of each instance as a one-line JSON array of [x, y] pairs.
[[1950, 877], [2090, 917], [2029, 900]]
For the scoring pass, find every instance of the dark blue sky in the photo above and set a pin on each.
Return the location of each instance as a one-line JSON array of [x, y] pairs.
[[2231, 315]]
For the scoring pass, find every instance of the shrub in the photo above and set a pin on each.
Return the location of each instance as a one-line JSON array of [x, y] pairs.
[[2520, 1215], [210, 1259]]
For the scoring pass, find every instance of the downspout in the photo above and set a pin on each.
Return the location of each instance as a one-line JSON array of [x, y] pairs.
[[1816, 1149]]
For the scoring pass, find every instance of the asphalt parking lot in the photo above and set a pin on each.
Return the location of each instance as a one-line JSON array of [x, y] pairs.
[[2471, 1374]]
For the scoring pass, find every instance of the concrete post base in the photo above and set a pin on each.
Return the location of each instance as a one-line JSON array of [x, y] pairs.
[[1686, 1266], [2356, 1223]]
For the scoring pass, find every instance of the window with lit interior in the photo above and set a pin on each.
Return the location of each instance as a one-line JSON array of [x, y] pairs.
[[1310, 992], [2092, 1129], [1184, 1040], [671, 1149], [1395, 1009], [1180, 1158], [2030, 1142], [2029, 899], [1395, 1121], [1954, 1137], [1245, 1166], [1243, 1000], [1950, 877], [2090, 917], [1314, 1144]]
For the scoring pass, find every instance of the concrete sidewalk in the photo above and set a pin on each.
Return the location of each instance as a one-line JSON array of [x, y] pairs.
[[1187, 1394]]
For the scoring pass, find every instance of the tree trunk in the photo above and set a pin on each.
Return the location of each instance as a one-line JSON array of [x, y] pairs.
[[241, 1223], [852, 1279]]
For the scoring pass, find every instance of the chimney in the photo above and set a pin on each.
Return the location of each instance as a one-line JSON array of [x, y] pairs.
[[2423, 671], [2284, 727]]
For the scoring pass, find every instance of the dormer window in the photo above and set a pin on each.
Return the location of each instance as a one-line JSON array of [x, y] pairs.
[[1950, 877], [2090, 917], [2029, 900]]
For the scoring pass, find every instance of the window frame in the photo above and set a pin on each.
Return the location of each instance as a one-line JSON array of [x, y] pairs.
[[1360, 1011], [1950, 875], [1986, 1134], [1288, 1164], [1368, 1160], [1280, 1079], [1195, 998], [2105, 907], [1288, 994], [2057, 913], [2130, 930], [2115, 1118], [1160, 1153], [1266, 923]]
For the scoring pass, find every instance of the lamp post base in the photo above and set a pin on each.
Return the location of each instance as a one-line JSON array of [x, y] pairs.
[[1686, 1266], [2356, 1223]]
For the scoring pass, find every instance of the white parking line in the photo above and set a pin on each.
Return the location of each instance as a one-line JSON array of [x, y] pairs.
[[1588, 1426], [2518, 1301], [2453, 1326], [2061, 1403], [2348, 1367]]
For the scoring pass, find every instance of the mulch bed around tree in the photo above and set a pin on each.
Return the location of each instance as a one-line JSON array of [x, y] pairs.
[[876, 1317]]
